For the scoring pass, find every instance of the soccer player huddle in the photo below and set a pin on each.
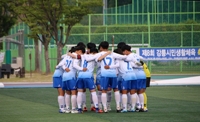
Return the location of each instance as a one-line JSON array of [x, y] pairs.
[[120, 70]]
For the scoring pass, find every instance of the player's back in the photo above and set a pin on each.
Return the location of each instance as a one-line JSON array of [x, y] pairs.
[[108, 60], [126, 71], [68, 61], [90, 65]]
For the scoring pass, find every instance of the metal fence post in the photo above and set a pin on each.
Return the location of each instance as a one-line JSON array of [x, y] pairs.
[[89, 28], [181, 63]]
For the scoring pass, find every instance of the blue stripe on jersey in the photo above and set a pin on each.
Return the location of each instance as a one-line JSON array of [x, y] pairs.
[[86, 74], [108, 72], [130, 75], [140, 74], [58, 72], [68, 76]]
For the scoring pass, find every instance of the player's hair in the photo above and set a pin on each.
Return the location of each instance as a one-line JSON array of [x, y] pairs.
[[73, 49], [82, 48], [119, 51], [104, 44], [93, 50], [126, 47], [91, 45], [81, 44], [120, 45]]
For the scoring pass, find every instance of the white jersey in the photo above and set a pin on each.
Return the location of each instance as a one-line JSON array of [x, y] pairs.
[[68, 63], [135, 60], [98, 72], [126, 70], [90, 65], [109, 60], [137, 68]]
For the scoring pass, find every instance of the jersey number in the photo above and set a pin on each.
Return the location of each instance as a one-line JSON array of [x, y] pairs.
[[128, 65], [68, 62], [85, 64], [109, 59]]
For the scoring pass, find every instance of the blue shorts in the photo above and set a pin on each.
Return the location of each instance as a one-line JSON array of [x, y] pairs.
[[133, 85], [98, 81], [69, 85], [128, 85], [141, 84], [57, 82], [106, 82], [119, 81], [83, 83]]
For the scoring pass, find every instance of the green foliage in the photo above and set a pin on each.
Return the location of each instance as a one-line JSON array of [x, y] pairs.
[[7, 18]]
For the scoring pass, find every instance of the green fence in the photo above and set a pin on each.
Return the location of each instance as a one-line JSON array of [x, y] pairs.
[[157, 23]]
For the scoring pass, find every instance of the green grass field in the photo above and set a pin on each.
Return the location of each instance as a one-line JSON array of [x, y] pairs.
[[165, 104]]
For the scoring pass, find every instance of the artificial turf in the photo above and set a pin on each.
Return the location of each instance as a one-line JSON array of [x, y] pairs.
[[165, 104]]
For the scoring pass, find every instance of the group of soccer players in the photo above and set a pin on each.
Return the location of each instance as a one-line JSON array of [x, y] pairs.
[[120, 70]]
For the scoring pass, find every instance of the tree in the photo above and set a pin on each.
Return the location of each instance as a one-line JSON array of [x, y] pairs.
[[8, 18], [49, 18]]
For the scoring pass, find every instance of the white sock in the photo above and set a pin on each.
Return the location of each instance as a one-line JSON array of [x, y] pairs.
[[67, 100], [117, 99], [133, 100], [79, 99], [109, 97], [141, 98], [84, 99], [121, 104], [73, 101], [95, 99], [99, 99], [129, 98], [104, 100], [138, 102], [61, 102], [124, 101], [91, 100]]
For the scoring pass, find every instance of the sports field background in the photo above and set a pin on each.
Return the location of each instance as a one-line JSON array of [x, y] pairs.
[[165, 104], [38, 103]]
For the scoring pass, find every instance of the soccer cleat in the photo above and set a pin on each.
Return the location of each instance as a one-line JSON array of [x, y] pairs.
[[145, 109], [132, 110], [105, 110], [141, 110], [67, 110], [74, 111], [129, 107], [118, 110], [93, 109], [85, 109], [98, 110], [108, 107], [80, 111], [124, 111], [137, 109], [61, 111]]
